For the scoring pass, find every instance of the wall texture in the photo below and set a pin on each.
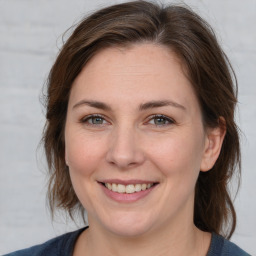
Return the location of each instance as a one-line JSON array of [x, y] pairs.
[[30, 34]]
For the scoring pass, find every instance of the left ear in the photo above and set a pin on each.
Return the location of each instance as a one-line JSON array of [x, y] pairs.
[[213, 143]]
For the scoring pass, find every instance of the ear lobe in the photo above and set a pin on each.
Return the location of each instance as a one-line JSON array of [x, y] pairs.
[[66, 158], [213, 143]]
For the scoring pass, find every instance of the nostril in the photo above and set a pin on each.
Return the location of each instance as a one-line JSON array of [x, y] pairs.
[[124, 152]]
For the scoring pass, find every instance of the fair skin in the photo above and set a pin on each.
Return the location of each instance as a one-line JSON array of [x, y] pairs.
[[146, 128]]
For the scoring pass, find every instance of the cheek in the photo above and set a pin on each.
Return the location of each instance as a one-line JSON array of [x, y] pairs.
[[83, 158], [83, 154], [178, 156]]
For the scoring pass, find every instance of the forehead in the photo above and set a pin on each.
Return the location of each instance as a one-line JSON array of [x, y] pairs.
[[141, 57], [139, 72]]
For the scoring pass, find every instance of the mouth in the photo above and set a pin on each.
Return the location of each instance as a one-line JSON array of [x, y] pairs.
[[129, 188], [127, 191]]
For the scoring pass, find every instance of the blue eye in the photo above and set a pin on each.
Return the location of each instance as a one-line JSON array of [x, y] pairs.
[[94, 120], [160, 120]]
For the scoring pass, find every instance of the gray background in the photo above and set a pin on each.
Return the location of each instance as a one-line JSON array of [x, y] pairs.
[[30, 34]]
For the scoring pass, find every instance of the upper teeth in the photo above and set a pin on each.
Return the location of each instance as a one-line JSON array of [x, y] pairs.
[[130, 188]]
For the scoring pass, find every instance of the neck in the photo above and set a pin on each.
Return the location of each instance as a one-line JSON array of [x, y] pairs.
[[186, 241]]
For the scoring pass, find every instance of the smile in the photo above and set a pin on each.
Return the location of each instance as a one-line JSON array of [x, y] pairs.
[[128, 189]]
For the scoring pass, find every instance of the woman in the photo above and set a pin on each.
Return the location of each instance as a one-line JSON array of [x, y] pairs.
[[140, 132]]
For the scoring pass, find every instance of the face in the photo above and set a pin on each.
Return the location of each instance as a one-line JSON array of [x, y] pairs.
[[135, 141]]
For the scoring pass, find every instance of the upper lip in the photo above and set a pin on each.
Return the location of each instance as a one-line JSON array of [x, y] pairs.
[[127, 182]]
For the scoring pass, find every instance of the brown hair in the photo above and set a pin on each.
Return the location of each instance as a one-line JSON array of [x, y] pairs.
[[210, 73]]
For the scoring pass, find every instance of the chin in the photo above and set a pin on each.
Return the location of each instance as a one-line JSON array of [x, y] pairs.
[[128, 231], [127, 226]]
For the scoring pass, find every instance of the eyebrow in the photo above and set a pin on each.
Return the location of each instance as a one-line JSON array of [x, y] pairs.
[[94, 104], [143, 106], [160, 103]]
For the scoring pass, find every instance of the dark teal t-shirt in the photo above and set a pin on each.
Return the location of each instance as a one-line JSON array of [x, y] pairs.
[[64, 245]]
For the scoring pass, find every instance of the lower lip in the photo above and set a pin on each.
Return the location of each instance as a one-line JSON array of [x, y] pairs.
[[125, 197]]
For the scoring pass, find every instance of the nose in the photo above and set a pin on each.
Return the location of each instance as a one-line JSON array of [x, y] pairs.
[[124, 149]]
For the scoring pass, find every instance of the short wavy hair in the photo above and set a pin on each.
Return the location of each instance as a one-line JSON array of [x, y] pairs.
[[181, 30]]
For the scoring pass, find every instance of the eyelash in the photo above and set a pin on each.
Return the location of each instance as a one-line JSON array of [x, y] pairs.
[[170, 121], [86, 119], [165, 118]]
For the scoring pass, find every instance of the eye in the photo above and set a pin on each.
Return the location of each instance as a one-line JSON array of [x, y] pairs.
[[94, 120], [160, 120]]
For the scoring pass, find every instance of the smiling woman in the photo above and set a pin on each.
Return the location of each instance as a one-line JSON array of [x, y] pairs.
[[140, 140], [140, 133]]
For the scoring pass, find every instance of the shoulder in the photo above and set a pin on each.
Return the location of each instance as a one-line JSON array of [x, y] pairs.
[[221, 246], [61, 245], [233, 249]]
